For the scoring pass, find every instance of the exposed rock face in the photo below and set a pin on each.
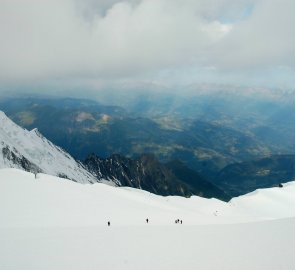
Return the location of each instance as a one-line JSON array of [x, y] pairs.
[[149, 174], [16, 159]]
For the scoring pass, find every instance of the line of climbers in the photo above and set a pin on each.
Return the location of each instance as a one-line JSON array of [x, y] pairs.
[[177, 221]]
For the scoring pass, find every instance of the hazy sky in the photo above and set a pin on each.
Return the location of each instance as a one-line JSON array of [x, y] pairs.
[[169, 42]]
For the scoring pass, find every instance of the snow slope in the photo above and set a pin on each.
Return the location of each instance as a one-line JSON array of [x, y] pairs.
[[51, 223], [23, 149], [49, 201]]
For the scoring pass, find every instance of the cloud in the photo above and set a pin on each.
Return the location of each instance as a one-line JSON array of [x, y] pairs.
[[113, 40], [264, 40]]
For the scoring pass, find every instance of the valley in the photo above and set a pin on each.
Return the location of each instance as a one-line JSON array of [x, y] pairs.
[[211, 135]]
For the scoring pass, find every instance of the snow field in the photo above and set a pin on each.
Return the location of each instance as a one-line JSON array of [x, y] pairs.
[[53, 223], [256, 246]]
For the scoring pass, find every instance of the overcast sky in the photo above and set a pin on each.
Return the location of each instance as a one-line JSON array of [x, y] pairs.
[[169, 42]]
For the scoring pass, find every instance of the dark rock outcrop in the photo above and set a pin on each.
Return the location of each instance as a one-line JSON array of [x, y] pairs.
[[15, 158], [149, 174]]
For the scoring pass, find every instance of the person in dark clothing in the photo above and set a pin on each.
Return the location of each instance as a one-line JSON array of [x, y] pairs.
[[180, 221], [147, 220], [109, 223]]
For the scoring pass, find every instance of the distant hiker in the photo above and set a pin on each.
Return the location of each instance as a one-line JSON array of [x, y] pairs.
[[280, 185], [147, 220], [175, 221], [35, 175], [109, 223], [180, 221]]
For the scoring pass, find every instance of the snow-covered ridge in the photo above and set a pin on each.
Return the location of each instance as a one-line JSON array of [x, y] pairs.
[[30, 150]]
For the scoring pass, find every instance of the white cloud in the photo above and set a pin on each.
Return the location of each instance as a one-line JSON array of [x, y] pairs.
[[112, 39], [264, 40]]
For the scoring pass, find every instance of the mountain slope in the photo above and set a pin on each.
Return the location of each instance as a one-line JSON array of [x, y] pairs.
[[147, 173], [29, 150], [202, 187]]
